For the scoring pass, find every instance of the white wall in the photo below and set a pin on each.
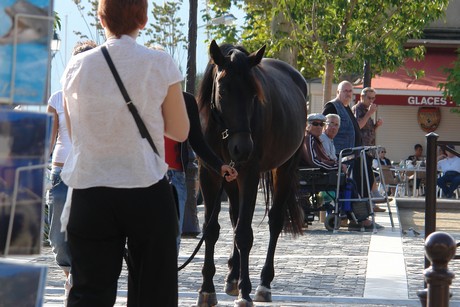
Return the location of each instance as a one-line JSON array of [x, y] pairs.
[[401, 131]]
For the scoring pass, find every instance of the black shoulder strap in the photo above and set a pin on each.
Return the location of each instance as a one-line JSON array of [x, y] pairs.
[[132, 108]]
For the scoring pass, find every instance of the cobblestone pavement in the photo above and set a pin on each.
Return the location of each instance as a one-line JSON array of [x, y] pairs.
[[319, 268]]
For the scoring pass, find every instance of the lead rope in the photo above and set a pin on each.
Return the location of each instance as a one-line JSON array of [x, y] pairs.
[[213, 214]]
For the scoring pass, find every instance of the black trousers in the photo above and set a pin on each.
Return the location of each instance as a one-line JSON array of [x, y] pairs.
[[102, 220]]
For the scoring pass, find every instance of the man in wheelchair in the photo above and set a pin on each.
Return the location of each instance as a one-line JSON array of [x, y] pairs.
[[322, 173]]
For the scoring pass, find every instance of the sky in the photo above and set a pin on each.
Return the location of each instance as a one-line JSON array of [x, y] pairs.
[[71, 21]]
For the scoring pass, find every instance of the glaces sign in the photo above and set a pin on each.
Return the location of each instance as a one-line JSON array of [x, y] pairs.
[[427, 101], [413, 101]]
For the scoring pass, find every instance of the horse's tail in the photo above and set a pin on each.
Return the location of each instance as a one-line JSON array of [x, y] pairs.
[[292, 212], [266, 181]]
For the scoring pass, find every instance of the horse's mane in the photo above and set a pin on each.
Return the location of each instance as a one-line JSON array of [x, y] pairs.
[[206, 87]]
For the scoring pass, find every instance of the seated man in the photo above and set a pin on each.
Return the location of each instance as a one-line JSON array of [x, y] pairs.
[[314, 155], [313, 152], [449, 165]]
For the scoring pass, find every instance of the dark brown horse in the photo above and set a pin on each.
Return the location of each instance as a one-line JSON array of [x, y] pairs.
[[254, 112]]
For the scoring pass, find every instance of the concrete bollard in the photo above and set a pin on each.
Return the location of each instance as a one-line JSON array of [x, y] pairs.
[[440, 248]]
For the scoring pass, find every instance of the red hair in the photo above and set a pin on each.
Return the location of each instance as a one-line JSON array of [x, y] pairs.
[[123, 16]]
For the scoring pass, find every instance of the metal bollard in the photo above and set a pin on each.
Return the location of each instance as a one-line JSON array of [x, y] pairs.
[[440, 248]]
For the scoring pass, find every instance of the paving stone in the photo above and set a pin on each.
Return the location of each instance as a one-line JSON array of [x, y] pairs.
[[316, 266]]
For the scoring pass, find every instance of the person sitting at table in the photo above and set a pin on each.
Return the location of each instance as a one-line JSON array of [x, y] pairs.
[[314, 155], [418, 154], [416, 157], [383, 160], [449, 165]]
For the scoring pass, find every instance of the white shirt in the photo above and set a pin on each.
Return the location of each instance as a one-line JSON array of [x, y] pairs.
[[63, 144], [107, 149], [449, 164], [328, 145]]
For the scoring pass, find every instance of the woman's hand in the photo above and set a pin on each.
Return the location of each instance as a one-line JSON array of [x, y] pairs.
[[228, 172]]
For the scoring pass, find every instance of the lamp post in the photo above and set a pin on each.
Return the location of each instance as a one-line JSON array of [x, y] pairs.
[[55, 46], [227, 19]]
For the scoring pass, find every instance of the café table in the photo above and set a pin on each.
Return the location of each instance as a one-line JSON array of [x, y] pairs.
[[406, 172]]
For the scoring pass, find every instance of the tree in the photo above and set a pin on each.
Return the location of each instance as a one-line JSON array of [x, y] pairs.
[[346, 33], [95, 30], [451, 88], [190, 79], [334, 37], [166, 30]]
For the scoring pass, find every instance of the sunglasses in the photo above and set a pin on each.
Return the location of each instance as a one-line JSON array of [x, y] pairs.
[[383, 152], [316, 124]]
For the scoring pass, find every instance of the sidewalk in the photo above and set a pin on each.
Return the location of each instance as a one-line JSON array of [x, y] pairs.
[[320, 268]]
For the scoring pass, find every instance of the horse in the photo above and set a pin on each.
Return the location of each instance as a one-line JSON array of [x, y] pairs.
[[253, 113]]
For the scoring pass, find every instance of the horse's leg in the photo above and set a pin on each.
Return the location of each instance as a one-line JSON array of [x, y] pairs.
[[284, 185], [243, 231], [231, 280], [210, 185]]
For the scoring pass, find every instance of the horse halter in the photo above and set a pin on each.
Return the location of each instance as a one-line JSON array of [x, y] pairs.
[[217, 115]]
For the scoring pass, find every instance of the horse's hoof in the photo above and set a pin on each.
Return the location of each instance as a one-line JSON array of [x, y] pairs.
[[231, 287], [263, 294], [241, 302], [206, 299]]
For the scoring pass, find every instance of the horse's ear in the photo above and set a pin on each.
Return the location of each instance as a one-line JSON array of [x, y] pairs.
[[215, 53], [256, 57]]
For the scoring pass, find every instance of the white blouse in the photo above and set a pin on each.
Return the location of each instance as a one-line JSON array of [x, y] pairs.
[[62, 147], [107, 149]]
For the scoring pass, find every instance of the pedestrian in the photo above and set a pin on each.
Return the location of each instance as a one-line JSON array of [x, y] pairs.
[[349, 134], [56, 195], [120, 192], [363, 111]]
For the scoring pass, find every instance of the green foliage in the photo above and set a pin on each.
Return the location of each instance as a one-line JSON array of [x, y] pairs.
[[56, 22], [94, 27], [451, 88], [220, 32], [344, 32], [347, 32], [166, 30]]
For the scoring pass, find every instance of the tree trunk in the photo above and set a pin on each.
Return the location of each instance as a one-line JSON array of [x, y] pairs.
[[191, 50], [367, 73], [280, 27], [328, 77]]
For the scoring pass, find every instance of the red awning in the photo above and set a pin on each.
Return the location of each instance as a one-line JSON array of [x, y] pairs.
[[401, 88]]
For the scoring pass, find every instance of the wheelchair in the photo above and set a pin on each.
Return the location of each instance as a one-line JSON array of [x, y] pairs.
[[317, 192]]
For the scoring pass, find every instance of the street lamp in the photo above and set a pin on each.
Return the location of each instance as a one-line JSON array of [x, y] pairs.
[[55, 44], [226, 19]]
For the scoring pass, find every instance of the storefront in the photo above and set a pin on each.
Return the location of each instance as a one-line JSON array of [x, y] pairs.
[[410, 107]]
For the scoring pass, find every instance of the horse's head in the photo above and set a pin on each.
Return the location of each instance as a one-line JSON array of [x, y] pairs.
[[234, 95]]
